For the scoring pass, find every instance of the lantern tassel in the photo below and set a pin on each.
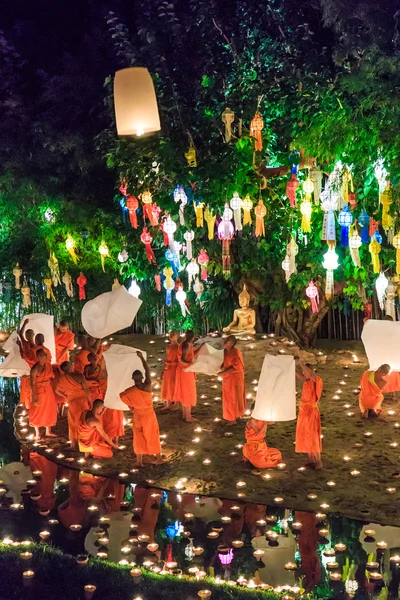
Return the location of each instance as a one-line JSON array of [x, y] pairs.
[[329, 284], [226, 259]]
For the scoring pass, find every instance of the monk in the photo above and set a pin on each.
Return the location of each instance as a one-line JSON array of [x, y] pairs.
[[39, 345], [92, 438], [81, 358], [43, 411], [146, 433], [233, 386], [64, 340], [73, 387], [185, 382], [256, 450], [92, 372], [308, 429], [113, 423], [373, 383], [169, 373], [26, 345]]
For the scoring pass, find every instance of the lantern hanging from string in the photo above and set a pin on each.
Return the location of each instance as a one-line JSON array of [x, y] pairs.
[[198, 289], [123, 188], [132, 204], [169, 284], [316, 178], [210, 220], [347, 182], [70, 246], [390, 309], [192, 271], [225, 233], [134, 289], [375, 248], [256, 127], [173, 259], [135, 102], [381, 285], [116, 284], [123, 255], [180, 196], [306, 210], [236, 204], [355, 243], [181, 298], [177, 249], [17, 272], [170, 229], [157, 280], [104, 251], [381, 174], [374, 228], [49, 289], [203, 260], [54, 269], [345, 219], [291, 189], [396, 244], [386, 201], [188, 236], [67, 281], [286, 266], [198, 210], [352, 200], [228, 116], [147, 201], [363, 220], [260, 211], [81, 281], [330, 264], [313, 294], [292, 251], [124, 210], [190, 155], [26, 295], [247, 207], [146, 239], [329, 203], [308, 188], [155, 211]]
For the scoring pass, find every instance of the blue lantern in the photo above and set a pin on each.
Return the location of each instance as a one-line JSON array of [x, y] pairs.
[[345, 219], [363, 219], [377, 236]]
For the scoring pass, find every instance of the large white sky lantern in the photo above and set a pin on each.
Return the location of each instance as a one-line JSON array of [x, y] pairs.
[[135, 102]]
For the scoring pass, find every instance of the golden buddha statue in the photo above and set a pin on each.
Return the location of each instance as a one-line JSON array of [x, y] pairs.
[[244, 318]]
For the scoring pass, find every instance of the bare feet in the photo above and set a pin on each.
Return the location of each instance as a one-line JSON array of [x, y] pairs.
[[138, 464], [190, 419], [50, 434], [230, 423], [318, 466], [38, 438]]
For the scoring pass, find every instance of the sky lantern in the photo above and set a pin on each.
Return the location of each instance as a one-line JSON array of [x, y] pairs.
[[135, 102]]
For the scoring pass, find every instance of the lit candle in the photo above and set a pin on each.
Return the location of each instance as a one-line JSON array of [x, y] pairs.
[[312, 496], [26, 556], [329, 552], [193, 570], [241, 484], [281, 466], [340, 547], [335, 576], [28, 577], [226, 519], [171, 564], [152, 547], [198, 550], [237, 544], [320, 516], [368, 434], [206, 461], [369, 532], [391, 490], [374, 576], [395, 558], [382, 545], [89, 590], [204, 593], [213, 534], [372, 565], [136, 575], [82, 559], [354, 473], [290, 566], [296, 525], [44, 535], [258, 554], [76, 527], [331, 483], [323, 532], [278, 500]]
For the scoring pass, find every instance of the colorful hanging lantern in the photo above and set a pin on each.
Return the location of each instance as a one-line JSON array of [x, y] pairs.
[[329, 203], [157, 279], [374, 249], [256, 127], [386, 201], [260, 211], [286, 266], [345, 219], [225, 233], [155, 211], [167, 272], [247, 206], [190, 156], [54, 269], [210, 220], [330, 264], [17, 272], [49, 289], [313, 294], [173, 259], [104, 251], [123, 188], [181, 297], [203, 260], [134, 289], [70, 246], [381, 285], [123, 255], [177, 249], [146, 239], [67, 281], [170, 228], [188, 236], [308, 188], [306, 210], [292, 251], [147, 201], [291, 189], [373, 227], [193, 271], [347, 182], [116, 284], [363, 220], [353, 200], [132, 204], [390, 307], [180, 196], [316, 179], [169, 285], [198, 209], [381, 174], [236, 204], [135, 102], [198, 289], [396, 244], [355, 243], [228, 116], [81, 281], [26, 295]]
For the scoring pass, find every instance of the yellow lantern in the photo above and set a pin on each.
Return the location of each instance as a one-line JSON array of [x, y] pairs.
[[386, 201], [198, 209], [49, 290], [210, 219], [17, 272], [104, 251], [308, 187], [247, 205], [135, 102], [70, 246], [306, 210], [396, 244], [374, 249]]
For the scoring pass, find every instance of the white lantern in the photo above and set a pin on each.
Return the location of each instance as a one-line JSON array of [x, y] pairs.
[[286, 267], [134, 289], [189, 237], [170, 228], [354, 244], [381, 285], [236, 205], [180, 196], [123, 256], [331, 262], [192, 270], [135, 102], [227, 214], [181, 297], [329, 203]]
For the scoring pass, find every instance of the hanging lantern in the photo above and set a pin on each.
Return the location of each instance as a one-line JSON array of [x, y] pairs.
[[116, 284], [81, 281], [390, 307], [155, 211], [123, 188], [198, 289], [169, 284], [181, 297], [236, 204], [173, 259], [210, 220], [198, 209], [190, 155], [26, 295], [386, 201], [177, 249], [180, 196], [313, 294], [134, 289], [256, 127], [286, 267], [381, 174], [188, 236], [374, 249], [316, 179], [260, 211], [104, 251], [306, 210], [67, 281], [292, 251], [228, 116], [132, 205], [347, 181], [49, 290], [70, 246], [17, 272], [123, 255], [225, 233], [135, 102], [355, 243], [329, 203], [396, 244], [345, 219], [247, 205], [353, 200], [381, 285], [193, 271], [291, 189], [203, 261], [330, 264], [170, 228], [363, 220], [146, 239], [157, 279], [308, 188], [49, 215], [54, 269], [147, 200]]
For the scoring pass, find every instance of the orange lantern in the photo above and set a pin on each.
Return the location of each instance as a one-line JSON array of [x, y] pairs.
[[256, 127]]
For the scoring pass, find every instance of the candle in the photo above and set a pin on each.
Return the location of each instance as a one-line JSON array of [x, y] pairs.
[[331, 565], [312, 496], [335, 576], [26, 556], [340, 547], [213, 534], [368, 434], [281, 465], [206, 461], [28, 577], [136, 575], [44, 535], [258, 554], [82, 559], [331, 483], [126, 549], [372, 565], [381, 545], [89, 590], [374, 576], [226, 519], [53, 522], [395, 558], [143, 538], [76, 527], [36, 474], [241, 484], [320, 516], [354, 473], [323, 532], [369, 532], [188, 516], [296, 525], [391, 490], [237, 544], [329, 552], [291, 566], [152, 547], [198, 550], [204, 593], [278, 500], [193, 570], [171, 564]]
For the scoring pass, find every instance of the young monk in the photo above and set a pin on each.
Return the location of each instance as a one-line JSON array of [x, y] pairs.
[[81, 358], [26, 345], [169, 373], [233, 386], [74, 389], [256, 450], [92, 438], [185, 382], [146, 433], [113, 423], [308, 429], [64, 339], [39, 345], [43, 410], [92, 373], [373, 383]]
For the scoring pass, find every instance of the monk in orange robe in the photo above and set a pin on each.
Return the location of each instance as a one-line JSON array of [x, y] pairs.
[[73, 387], [146, 433], [39, 345], [308, 429], [233, 386], [43, 411], [81, 358], [64, 339], [169, 373], [26, 345], [256, 450], [92, 438], [113, 423], [92, 372], [373, 383], [185, 382]]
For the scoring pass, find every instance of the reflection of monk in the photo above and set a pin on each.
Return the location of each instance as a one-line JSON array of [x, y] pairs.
[[150, 510], [308, 545], [64, 340], [372, 385], [44, 485], [308, 429], [244, 318], [83, 487], [233, 386], [73, 387], [256, 450]]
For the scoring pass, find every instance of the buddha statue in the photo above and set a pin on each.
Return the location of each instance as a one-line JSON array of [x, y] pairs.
[[244, 318]]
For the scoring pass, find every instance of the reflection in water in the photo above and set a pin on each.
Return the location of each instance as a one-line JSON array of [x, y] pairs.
[[292, 551]]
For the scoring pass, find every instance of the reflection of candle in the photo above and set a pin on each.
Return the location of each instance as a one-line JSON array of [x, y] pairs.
[[237, 543], [340, 547], [204, 593], [335, 576], [89, 591], [76, 527], [258, 554], [136, 575]]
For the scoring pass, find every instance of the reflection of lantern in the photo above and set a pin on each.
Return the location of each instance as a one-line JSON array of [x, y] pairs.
[[330, 264], [70, 246], [236, 205], [260, 211], [256, 127], [306, 210], [210, 220], [170, 228], [135, 102], [225, 233], [188, 236], [363, 220], [247, 206], [26, 295], [49, 290], [374, 249], [203, 261], [147, 200], [81, 281], [345, 219], [103, 249], [67, 281], [354, 244], [132, 205], [291, 188], [134, 289], [228, 116], [192, 270], [329, 203], [396, 244], [180, 196], [17, 272], [381, 285], [181, 297], [146, 239], [312, 293]]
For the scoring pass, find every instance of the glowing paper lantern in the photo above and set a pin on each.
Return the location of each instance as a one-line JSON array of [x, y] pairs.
[[396, 244], [354, 243], [123, 256], [203, 260], [157, 279], [291, 189], [132, 205], [26, 295], [198, 209], [316, 178], [54, 269], [123, 188], [135, 103], [286, 267], [225, 233], [170, 228], [17, 272], [173, 259], [180, 196], [330, 264], [247, 206], [49, 290], [198, 289], [345, 219], [363, 220], [306, 210], [228, 116], [292, 250], [146, 239], [147, 200], [381, 174], [374, 249], [169, 284], [260, 211], [329, 203], [70, 246], [188, 236], [104, 251], [134, 289], [67, 281], [313, 294], [81, 281], [192, 270], [236, 204], [308, 188], [386, 201], [181, 297], [390, 308], [210, 220], [155, 211], [190, 155], [373, 227], [256, 127], [381, 285]]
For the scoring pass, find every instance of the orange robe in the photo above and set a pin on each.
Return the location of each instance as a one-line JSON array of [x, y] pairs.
[[49, 357], [44, 485], [256, 450], [233, 386], [146, 433], [77, 402], [308, 429], [371, 396], [169, 375], [91, 441], [25, 392], [307, 540], [93, 382], [185, 383], [393, 382], [113, 422], [64, 343], [44, 414], [81, 360]]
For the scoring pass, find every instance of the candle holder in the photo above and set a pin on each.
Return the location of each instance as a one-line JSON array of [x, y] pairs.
[[89, 590], [136, 575], [27, 578]]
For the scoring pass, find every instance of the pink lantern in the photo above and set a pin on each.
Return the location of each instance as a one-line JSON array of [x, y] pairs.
[[123, 187], [313, 294], [132, 205], [291, 189], [82, 281], [227, 558], [203, 260], [147, 200], [156, 211], [146, 239]]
